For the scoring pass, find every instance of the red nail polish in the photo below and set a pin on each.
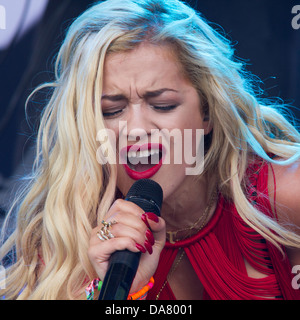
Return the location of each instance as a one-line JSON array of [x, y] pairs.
[[141, 248], [152, 216], [150, 237], [144, 218], [148, 247]]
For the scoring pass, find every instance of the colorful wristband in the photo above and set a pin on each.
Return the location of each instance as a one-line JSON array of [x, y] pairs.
[[142, 294], [97, 284], [90, 289]]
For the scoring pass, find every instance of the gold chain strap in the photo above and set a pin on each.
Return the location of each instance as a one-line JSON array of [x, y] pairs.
[[171, 235], [170, 274]]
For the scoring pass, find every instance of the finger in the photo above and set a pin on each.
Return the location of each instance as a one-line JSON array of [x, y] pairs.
[[129, 219], [121, 205], [158, 228], [102, 251], [127, 231], [99, 254], [137, 232], [126, 226]]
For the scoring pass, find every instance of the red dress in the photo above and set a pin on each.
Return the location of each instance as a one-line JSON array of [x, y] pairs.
[[217, 253]]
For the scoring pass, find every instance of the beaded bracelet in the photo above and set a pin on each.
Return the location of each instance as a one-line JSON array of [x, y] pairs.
[[97, 284], [142, 294]]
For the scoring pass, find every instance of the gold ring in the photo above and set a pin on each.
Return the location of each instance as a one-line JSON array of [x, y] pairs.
[[104, 233], [108, 224]]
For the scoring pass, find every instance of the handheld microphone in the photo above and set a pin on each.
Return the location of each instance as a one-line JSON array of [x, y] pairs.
[[148, 195]]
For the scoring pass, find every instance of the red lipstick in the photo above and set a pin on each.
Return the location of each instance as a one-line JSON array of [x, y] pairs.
[[149, 172]]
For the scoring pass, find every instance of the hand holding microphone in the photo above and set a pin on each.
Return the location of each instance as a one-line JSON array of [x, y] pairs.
[[134, 239]]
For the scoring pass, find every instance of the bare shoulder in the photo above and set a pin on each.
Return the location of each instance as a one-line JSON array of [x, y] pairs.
[[284, 188], [284, 185]]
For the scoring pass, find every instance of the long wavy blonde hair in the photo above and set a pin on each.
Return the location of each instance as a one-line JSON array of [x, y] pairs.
[[58, 208]]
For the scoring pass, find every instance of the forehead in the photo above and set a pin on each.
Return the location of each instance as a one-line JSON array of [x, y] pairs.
[[147, 64], [145, 50]]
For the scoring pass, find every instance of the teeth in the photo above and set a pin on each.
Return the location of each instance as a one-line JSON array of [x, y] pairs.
[[142, 154]]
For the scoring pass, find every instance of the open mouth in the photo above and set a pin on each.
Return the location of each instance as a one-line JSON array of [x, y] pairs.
[[142, 162]]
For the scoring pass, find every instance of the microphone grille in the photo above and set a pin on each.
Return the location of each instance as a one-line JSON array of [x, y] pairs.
[[146, 189]]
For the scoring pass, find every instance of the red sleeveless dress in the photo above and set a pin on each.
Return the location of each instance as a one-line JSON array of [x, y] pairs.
[[217, 253]]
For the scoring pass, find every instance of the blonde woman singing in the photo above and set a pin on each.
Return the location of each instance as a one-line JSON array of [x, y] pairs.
[[139, 68]]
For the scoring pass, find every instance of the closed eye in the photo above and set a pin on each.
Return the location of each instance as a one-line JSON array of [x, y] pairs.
[[165, 108], [112, 113], [115, 112]]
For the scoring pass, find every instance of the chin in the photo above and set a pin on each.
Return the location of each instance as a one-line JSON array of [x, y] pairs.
[[163, 177]]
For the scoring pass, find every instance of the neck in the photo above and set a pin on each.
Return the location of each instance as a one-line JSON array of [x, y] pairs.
[[183, 208]]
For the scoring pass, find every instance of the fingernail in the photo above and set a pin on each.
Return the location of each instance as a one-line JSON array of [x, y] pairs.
[[152, 216], [150, 237], [144, 218], [148, 247], [141, 248]]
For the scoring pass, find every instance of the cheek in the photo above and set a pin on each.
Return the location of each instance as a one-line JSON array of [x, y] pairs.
[[184, 146]]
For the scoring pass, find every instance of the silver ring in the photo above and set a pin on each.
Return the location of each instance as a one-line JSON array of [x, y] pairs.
[[100, 237], [104, 233]]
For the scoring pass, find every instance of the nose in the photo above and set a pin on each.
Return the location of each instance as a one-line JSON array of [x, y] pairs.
[[139, 124]]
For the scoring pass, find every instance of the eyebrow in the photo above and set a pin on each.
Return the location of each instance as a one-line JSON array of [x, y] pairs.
[[147, 95]]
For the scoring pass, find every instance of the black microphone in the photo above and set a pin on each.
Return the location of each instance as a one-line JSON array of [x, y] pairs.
[[123, 265]]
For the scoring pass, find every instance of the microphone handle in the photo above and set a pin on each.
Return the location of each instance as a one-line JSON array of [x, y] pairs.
[[120, 274]]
